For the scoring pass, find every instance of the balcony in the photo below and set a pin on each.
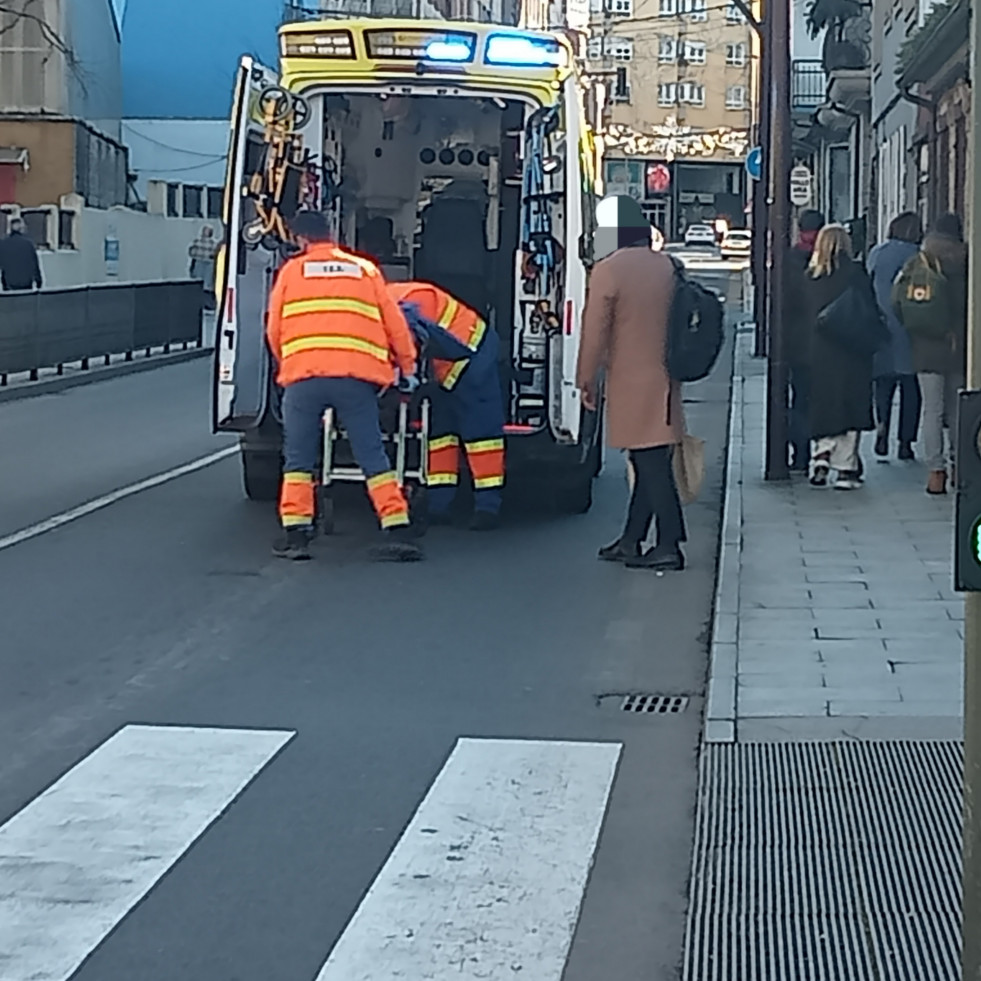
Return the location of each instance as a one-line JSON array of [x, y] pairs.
[[808, 85], [847, 50]]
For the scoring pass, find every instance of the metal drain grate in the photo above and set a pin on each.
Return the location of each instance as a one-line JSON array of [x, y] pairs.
[[654, 704], [827, 861]]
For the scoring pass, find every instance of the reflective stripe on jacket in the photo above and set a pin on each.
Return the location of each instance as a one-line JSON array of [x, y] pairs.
[[330, 316], [449, 313]]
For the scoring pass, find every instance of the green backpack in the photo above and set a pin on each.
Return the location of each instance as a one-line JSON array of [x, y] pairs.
[[921, 297]]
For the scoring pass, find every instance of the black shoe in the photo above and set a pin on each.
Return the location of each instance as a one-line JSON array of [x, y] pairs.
[[485, 521], [398, 546], [906, 451], [882, 444], [667, 559], [294, 543], [619, 552]]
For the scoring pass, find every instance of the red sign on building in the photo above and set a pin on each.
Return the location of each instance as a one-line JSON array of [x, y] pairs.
[[658, 178]]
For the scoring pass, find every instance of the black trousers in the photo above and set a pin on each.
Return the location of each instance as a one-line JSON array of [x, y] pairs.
[[910, 401], [654, 496]]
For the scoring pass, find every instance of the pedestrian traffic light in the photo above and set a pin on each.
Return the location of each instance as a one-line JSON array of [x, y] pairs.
[[967, 523]]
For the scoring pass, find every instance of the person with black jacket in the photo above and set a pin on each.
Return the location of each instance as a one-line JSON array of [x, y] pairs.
[[19, 265], [840, 358], [798, 340]]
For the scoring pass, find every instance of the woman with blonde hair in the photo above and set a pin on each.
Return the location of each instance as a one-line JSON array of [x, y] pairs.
[[846, 329]]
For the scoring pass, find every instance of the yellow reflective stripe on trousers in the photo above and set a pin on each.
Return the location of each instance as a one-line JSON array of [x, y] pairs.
[[485, 445], [294, 520], [297, 477], [443, 443], [484, 482], [335, 342], [382, 478], [448, 313], [363, 308], [394, 520], [442, 479]]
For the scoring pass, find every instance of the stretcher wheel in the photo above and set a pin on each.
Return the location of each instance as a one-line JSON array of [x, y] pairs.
[[325, 514]]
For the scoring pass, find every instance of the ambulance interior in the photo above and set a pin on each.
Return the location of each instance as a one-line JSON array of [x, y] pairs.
[[436, 188]]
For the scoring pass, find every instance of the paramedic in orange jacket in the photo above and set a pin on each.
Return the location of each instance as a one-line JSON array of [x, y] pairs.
[[467, 407], [337, 338]]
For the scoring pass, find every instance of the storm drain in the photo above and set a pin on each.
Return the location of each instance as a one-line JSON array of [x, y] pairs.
[[654, 704], [825, 862]]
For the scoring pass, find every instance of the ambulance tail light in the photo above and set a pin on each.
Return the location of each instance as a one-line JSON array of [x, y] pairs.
[[519, 429]]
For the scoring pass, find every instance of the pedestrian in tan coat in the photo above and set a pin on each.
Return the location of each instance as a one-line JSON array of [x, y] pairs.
[[624, 332]]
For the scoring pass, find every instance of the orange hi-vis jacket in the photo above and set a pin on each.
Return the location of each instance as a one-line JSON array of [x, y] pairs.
[[330, 316], [438, 306]]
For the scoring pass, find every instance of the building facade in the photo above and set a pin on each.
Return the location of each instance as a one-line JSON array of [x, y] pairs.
[[61, 103], [679, 81]]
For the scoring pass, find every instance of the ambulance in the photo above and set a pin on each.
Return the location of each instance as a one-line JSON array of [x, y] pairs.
[[456, 153]]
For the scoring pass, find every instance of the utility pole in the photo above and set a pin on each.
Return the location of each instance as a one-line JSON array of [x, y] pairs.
[[777, 39], [761, 188], [971, 908]]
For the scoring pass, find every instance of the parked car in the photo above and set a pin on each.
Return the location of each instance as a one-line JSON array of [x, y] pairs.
[[657, 239], [737, 243], [699, 235]]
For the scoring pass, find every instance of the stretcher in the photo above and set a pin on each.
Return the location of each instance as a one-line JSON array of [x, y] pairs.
[[405, 424]]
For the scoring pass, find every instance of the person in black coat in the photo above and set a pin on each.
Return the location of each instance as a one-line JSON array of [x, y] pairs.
[[841, 373], [798, 340], [19, 265]]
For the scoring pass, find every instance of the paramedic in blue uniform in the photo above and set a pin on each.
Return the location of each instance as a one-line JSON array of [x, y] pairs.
[[468, 406]]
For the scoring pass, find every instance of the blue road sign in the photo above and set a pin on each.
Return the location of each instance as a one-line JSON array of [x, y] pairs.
[[754, 163]]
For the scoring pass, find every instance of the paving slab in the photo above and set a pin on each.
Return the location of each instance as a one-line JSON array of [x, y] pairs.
[[840, 618]]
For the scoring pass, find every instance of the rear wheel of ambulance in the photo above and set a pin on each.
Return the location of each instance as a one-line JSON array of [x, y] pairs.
[[260, 475]]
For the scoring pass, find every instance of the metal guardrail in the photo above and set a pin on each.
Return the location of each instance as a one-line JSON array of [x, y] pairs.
[[52, 328]]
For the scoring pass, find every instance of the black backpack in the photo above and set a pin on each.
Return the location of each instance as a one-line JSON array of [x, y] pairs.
[[695, 328]]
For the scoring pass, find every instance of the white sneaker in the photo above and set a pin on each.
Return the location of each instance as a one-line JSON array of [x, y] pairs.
[[847, 482]]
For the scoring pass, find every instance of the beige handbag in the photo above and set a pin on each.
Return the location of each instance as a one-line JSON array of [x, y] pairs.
[[688, 463]]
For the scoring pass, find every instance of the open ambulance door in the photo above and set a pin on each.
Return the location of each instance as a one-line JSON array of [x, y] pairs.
[[241, 380]]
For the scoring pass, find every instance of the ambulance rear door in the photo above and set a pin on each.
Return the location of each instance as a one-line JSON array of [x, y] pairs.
[[241, 380]]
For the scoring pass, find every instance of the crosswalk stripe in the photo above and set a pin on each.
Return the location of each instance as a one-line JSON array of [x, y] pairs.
[[77, 859], [488, 878]]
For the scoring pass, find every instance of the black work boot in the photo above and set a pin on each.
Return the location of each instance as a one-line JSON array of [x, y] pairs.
[[485, 521], [619, 551], [662, 558], [882, 442], [398, 545], [906, 450], [293, 543]]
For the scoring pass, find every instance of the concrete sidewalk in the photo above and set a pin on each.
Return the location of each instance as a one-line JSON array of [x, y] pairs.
[[835, 616]]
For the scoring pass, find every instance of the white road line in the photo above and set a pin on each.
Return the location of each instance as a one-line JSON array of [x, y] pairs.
[[488, 878], [49, 524], [80, 856]]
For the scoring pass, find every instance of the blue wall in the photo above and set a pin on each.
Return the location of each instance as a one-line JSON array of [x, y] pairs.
[[179, 56]]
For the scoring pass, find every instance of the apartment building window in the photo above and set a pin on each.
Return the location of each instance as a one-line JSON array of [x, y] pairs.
[[691, 94], [736, 97], [736, 54], [216, 201], [694, 52], [667, 51], [669, 8], [667, 94], [173, 200], [617, 48], [620, 8], [621, 88], [698, 9], [192, 201], [734, 15]]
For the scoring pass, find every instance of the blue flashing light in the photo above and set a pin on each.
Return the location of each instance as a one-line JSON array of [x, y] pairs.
[[449, 50], [524, 50]]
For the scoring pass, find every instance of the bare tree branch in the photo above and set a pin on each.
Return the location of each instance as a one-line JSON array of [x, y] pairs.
[[48, 33]]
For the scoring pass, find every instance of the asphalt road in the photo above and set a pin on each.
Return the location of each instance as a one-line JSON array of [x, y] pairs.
[[166, 609]]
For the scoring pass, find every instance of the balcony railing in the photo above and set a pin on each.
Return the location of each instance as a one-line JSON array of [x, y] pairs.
[[808, 84]]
